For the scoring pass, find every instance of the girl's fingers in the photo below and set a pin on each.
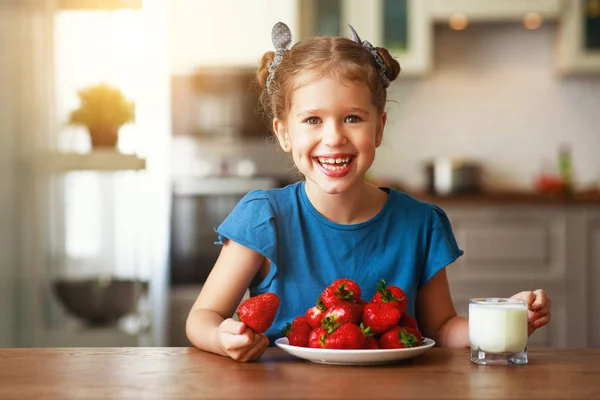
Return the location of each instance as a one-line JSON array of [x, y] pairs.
[[540, 299], [233, 342], [259, 348], [529, 297], [232, 326], [538, 323], [256, 349], [532, 316]]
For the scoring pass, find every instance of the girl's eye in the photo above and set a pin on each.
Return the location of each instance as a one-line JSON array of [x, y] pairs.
[[312, 120], [353, 119]]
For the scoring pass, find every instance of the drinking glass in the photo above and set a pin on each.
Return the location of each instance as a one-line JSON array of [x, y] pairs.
[[498, 331]]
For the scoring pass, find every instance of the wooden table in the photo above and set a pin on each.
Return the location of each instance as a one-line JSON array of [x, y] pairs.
[[174, 373]]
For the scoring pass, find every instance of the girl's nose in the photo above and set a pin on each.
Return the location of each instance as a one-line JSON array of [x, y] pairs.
[[333, 135]]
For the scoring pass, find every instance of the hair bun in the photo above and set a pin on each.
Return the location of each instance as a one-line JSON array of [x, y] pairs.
[[392, 65], [263, 71]]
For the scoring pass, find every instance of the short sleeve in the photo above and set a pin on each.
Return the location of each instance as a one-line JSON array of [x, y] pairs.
[[252, 224], [442, 248]]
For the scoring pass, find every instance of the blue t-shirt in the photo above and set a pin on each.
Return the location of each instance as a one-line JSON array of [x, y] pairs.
[[406, 244]]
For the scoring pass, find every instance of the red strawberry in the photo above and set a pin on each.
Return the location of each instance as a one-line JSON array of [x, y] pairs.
[[390, 294], [315, 314], [349, 286], [408, 320], [258, 312], [297, 332], [380, 317], [361, 305], [316, 339], [348, 336], [340, 289], [371, 343], [340, 314], [371, 340], [400, 337], [362, 302]]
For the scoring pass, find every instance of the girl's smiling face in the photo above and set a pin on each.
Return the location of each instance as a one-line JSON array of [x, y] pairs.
[[332, 130]]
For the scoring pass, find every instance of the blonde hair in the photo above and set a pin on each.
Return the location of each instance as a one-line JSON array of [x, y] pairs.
[[323, 56]]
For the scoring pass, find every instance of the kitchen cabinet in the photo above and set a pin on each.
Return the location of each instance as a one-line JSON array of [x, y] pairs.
[[592, 257], [494, 10], [201, 36], [402, 26], [579, 38], [511, 248]]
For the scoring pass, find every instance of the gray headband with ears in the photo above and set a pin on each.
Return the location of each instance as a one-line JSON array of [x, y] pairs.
[[281, 36], [375, 54]]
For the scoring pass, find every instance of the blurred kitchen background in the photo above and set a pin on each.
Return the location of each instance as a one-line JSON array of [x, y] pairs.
[[495, 118]]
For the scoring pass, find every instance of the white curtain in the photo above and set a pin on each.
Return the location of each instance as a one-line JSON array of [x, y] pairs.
[[42, 233]]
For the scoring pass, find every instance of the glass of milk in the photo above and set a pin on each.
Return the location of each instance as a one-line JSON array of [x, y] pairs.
[[498, 331]]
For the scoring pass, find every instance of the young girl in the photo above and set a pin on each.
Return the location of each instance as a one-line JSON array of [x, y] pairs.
[[327, 97]]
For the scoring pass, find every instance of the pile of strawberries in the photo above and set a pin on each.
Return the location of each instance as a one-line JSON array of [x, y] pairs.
[[341, 319]]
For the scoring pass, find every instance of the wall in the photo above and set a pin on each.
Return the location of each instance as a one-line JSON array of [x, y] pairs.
[[494, 96]]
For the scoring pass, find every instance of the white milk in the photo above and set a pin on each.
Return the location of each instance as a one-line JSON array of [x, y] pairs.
[[498, 328]]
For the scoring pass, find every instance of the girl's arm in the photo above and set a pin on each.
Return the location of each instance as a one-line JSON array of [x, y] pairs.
[[436, 314], [209, 325]]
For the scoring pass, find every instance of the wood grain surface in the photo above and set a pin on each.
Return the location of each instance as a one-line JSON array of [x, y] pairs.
[[180, 373]]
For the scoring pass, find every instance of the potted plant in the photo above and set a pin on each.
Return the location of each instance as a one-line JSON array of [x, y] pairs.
[[103, 110]]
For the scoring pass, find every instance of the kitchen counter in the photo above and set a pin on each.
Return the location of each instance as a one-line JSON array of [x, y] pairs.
[[512, 197], [172, 373]]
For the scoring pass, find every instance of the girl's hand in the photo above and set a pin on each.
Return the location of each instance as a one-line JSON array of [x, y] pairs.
[[538, 304], [240, 342]]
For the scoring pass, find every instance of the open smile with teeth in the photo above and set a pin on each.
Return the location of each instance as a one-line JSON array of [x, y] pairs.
[[334, 164]]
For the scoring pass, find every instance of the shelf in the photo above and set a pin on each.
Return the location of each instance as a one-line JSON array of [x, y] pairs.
[[97, 160], [99, 5]]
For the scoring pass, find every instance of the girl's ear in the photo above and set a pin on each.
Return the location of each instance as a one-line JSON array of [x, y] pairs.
[[380, 128], [282, 135]]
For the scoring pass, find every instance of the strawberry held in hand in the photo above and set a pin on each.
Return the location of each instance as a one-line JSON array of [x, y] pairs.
[[258, 312], [390, 294], [400, 337]]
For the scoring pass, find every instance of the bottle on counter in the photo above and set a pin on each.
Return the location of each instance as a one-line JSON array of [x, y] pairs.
[[565, 168]]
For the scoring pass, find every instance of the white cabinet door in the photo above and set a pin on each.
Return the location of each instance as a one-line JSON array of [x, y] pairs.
[[577, 52], [206, 33], [592, 228], [510, 244]]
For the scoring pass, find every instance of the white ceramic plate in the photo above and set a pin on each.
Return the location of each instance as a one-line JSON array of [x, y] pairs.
[[354, 357]]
